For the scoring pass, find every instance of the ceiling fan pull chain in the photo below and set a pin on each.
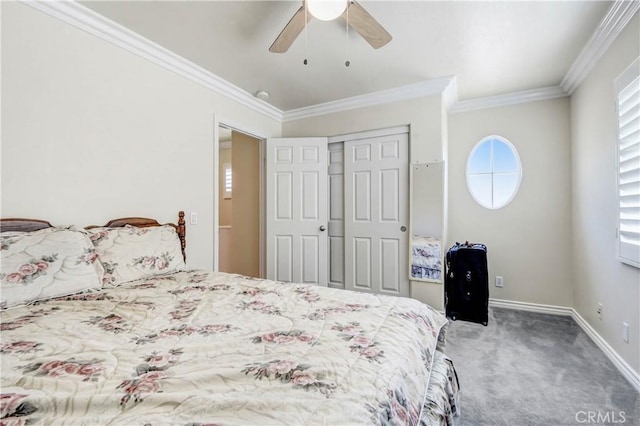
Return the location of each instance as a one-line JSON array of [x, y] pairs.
[[306, 21], [347, 63]]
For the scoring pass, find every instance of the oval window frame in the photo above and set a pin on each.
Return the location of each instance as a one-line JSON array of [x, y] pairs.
[[516, 156]]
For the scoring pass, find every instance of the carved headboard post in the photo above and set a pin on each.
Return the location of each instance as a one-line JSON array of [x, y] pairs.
[[182, 234]]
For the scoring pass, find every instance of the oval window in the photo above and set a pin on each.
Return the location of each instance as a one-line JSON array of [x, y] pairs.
[[494, 172]]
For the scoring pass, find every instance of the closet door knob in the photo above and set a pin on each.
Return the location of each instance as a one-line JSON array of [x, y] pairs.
[[403, 228], [322, 228]]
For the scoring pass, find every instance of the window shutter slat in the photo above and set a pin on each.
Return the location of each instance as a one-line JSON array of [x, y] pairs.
[[629, 102], [629, 127], [630, 154], [628, 190], [630, 140], [630, 92]]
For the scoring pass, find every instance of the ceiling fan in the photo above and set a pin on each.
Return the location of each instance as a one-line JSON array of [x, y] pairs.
[[355, 15]]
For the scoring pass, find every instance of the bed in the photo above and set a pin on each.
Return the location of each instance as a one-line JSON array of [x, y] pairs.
[[105, 325], [426, 258]]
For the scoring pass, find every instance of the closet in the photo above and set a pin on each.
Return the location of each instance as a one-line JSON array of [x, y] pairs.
[[337, 211]]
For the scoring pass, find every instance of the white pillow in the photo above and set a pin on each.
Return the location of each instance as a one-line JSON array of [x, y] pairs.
[[48, 263], [131, 253]]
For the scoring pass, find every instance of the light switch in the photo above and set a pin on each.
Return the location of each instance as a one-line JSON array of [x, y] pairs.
[[194, 218]]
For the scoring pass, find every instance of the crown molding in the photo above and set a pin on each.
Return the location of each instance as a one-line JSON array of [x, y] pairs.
[[425, 88], [513, 98], [450, 94], [87, 20], [609, 28], [92, 22]]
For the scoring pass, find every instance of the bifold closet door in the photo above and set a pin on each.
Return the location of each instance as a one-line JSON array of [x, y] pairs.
[[376, 179]]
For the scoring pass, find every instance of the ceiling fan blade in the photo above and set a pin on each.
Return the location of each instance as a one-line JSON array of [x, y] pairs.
[[366, 26], [289, 33]]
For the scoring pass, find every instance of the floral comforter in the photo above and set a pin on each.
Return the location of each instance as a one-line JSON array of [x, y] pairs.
[[200, 347]]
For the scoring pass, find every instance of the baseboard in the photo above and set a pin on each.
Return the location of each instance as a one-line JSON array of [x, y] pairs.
[[531, 307], [629, 373]]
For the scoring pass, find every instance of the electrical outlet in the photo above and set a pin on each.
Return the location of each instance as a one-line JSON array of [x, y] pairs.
[[499, 281], [599, 311], [625, 332]]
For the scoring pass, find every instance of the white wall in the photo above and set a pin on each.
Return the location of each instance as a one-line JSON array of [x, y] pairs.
[[92, 132], [599, 276], [528, 240], [422, 114]]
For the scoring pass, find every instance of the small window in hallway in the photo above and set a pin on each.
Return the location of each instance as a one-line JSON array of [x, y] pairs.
[[494, 172], [228, 182]]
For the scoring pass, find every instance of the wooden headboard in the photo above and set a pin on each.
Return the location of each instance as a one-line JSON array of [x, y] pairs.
[[23, 225], [29, 225]]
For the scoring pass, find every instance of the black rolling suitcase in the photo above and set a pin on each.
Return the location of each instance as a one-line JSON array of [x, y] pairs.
[[466, 281]]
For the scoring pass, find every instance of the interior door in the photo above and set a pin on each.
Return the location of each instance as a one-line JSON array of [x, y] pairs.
[[376, 174], [296, 172]]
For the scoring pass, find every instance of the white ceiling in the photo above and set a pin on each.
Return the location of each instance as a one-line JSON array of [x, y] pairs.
[[492, 47]]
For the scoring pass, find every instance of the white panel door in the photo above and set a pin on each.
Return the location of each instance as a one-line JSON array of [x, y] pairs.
[[297, 210], [376, 175]]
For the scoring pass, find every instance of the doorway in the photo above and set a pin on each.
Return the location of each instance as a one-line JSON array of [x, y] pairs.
[[239, 201]]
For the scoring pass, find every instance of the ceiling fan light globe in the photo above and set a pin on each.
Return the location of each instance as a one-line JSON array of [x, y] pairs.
[[326, 10]]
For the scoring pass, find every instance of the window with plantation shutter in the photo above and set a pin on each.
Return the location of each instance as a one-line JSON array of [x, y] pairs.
[[627, 87], [228, 180]]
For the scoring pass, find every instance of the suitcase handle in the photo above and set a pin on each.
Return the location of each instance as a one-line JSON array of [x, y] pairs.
[[467, 244]]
